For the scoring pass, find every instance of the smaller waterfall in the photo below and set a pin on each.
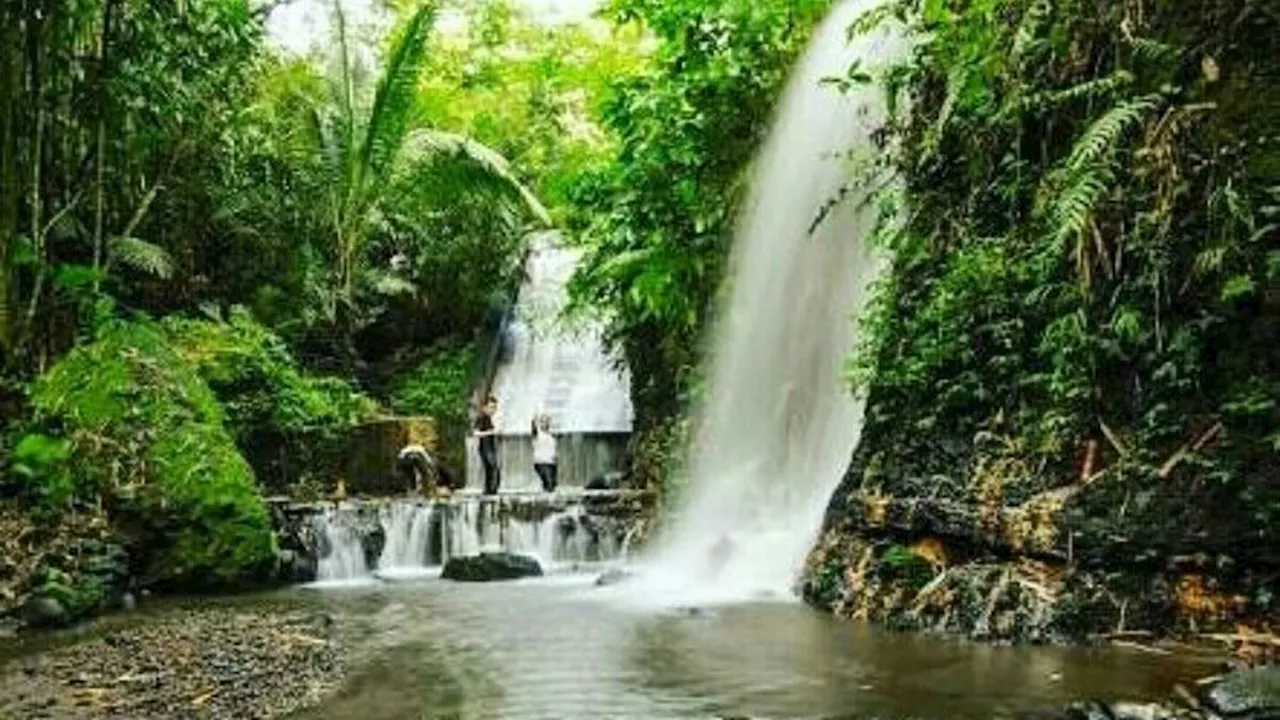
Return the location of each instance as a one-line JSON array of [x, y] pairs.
[[340, 550], [410, 529], [564, 536], [405, 539]]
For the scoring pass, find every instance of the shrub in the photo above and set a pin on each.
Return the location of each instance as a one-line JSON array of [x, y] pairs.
[[437, 388], [290, 426]]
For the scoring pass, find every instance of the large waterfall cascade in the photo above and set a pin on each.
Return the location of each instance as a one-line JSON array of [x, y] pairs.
[[779, 425], [560, 368]]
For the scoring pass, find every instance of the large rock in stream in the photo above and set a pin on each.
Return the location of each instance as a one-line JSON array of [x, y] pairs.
[[488, 567], [1247, 693]]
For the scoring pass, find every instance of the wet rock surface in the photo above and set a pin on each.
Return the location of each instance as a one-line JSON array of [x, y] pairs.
[[487, 567], [208, 663], [1251, 693], [613, 576]]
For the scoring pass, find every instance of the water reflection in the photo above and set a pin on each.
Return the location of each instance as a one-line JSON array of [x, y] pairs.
[[558, 648]]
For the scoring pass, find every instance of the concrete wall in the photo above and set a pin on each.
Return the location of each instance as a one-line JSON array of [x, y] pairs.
[[581, 457]]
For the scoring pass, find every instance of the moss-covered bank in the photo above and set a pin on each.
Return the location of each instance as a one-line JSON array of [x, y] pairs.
[[1073, 366], [133, 472]]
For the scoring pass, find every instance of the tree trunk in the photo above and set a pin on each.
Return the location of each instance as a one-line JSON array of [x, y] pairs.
[[10, 183], [100, 161]]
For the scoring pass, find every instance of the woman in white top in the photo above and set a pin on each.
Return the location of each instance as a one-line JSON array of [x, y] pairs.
[[544, 452]]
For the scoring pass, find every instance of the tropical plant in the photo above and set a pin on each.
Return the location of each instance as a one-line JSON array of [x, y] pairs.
[[1090, 219], [374, 155]]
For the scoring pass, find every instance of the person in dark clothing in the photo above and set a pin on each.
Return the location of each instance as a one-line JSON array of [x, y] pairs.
[[422, 473], [487, 437], [415, 467]]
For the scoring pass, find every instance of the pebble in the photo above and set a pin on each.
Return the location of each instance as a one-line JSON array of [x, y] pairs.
[[211, 663]]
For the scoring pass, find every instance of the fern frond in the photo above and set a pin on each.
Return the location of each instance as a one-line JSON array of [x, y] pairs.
[[1029, 28], [1154, 51], [142, 255], [1041, 103], [1101, 137]]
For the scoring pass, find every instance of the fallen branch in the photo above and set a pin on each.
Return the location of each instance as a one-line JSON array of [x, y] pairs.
[[1186, 450], [983, 625], [1130, 645], [1090, 461], [928, 590], [1246, 639]]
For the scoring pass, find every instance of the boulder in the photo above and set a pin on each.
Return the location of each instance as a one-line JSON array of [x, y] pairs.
[[1252, 693], [487, 567], [44, 612], [613, 577], [296, 567]]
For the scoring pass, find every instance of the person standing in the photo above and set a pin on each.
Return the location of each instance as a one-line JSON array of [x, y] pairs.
[[544, 452], [487, 440]]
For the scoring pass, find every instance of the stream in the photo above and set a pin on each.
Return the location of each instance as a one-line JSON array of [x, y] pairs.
[[558, 647]]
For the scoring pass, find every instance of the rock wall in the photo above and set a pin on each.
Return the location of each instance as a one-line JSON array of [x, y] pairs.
[[974, 553], [373, 448]]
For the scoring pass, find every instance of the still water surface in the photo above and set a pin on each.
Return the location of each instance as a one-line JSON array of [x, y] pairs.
[[559, 648]]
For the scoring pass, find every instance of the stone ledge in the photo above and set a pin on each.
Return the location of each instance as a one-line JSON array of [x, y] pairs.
[[1048, 527]]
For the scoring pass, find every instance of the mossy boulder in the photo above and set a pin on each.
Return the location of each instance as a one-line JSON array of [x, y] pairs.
[[150, 444], [292, 427]]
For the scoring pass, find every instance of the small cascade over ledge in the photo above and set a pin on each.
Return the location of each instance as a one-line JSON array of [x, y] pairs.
[[403, 538]]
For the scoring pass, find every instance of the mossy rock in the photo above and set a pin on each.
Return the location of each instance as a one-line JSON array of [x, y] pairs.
[[488, 567], [150, 444]]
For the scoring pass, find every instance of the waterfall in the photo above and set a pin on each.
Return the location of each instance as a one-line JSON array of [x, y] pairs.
[[341, 552], [558, 369], [409, 530], [564, 535], [779, 425]]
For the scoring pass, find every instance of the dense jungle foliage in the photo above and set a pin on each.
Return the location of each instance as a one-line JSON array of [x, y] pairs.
[[217, 257], [1085, 265], [1082, 315]]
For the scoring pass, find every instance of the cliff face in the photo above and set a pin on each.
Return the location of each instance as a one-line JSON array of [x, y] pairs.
[[919, 550], [1073, 366]]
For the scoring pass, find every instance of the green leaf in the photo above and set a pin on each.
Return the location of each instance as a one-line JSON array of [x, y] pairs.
[[142, 255], [1237, 288], [76, 277]]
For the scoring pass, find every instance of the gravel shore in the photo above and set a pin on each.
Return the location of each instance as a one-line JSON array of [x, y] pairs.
[[202, 663]]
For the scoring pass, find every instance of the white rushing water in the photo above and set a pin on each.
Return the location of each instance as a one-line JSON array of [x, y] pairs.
[[419, 537], [779, 424], [409, 529], [342, 555], [554, 367], [560, 538]]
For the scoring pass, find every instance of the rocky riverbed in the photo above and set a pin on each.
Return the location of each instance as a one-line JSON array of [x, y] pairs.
[[216, 662]]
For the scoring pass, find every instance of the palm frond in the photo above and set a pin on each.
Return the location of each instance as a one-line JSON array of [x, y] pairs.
[[393, 100], [142, 255], [454, 163]]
